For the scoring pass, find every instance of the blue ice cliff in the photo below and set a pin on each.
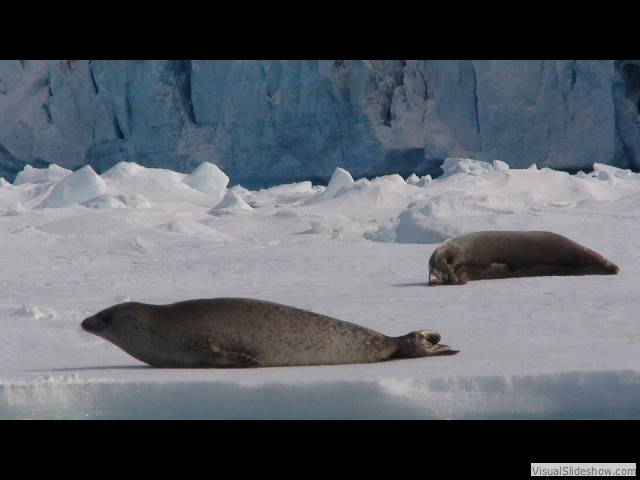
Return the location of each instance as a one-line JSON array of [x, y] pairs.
[[275, 121]]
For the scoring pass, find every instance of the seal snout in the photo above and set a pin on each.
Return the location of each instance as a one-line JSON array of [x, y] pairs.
[[612, 268], [93, 324]]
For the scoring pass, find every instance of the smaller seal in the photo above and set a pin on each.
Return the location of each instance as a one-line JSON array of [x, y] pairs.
[[243, 332], [509, 254]]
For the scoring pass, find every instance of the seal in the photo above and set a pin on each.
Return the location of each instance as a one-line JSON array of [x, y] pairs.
[[243, 332], [508, 254]]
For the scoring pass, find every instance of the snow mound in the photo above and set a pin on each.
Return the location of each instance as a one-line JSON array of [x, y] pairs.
[[30, 311], [140, 244], [413, 227], [209, 179], [107, 202], [14, 209], [449, 215], [230, 204], [289, 194], [368, 200], [193, 229], [104, 202], [123, 171], [502, 199], [154, 184], [135, 200], [81, 186], [53, 173], [339, 227]]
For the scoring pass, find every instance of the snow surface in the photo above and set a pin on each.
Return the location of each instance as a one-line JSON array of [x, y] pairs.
[[545, 347]]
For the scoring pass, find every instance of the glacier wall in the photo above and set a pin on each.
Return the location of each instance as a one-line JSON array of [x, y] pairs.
[[264, 122]]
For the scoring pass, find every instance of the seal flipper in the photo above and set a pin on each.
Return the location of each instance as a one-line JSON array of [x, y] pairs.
[[227, 359], [212, 356]]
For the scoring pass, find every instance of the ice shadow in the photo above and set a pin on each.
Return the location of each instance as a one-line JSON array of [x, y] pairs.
[[414, 284]]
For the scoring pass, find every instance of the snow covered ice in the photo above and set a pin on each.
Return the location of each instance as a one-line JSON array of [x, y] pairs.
[[543, 347]]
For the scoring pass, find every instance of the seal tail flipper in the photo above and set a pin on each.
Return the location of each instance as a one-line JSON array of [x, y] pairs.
[[423, 343], [443, 350]]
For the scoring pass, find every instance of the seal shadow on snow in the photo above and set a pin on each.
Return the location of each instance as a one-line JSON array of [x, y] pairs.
[[412, 284], [101, 367]]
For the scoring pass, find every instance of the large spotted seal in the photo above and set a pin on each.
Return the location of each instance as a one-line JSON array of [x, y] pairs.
[[240, 332], [496, 254]]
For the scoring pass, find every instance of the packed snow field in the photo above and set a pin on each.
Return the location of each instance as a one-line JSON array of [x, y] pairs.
[[544, 347]]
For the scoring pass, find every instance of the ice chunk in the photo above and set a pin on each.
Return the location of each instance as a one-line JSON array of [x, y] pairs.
[[53, 173], [81, 186], [612, 171], [208, 178], [340, 178], [14, 209], [231, 203], [500, 165], [606, 176], [424, 181], [413, 179], [451, 166]]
